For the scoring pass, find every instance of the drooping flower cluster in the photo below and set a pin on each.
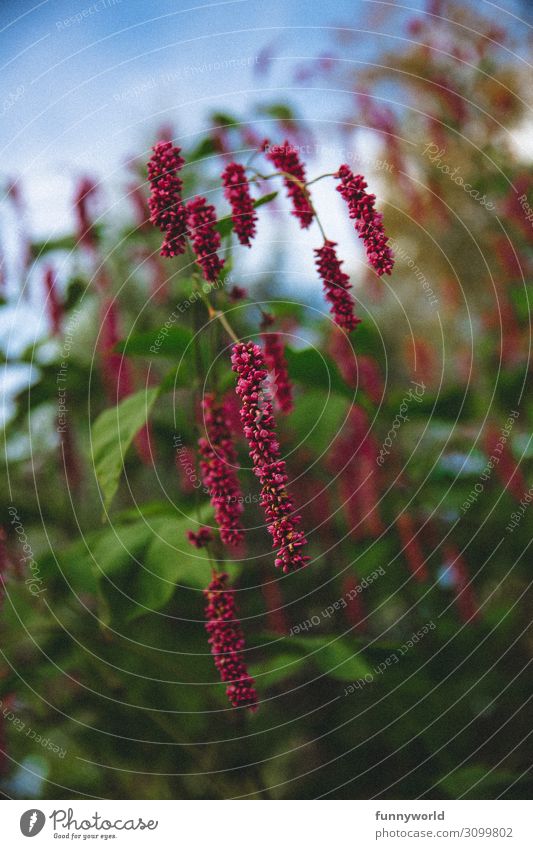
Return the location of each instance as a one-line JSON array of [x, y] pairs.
[[357, 370], [201, 220], [277, 365], [411, 547], [218, 475], [167, 210], [237, 192], [336, 286], [200, 538], [86, 189], [353, 461], [117, 375], [368, 222], [227, 643], [55, 307], [259, 429], [285, 158]]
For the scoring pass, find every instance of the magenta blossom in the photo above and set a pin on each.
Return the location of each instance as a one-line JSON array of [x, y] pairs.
[[285, 158], [336, 286], [201, 220], [368, 222], [166, 206], [227, 643], [218, 471], [237, 191], [259, 430]]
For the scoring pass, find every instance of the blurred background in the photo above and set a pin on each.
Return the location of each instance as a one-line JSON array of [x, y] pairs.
[[397, 664]]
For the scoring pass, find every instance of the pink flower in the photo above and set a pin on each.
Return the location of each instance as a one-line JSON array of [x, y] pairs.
[[227, 643], [353, 460], [201, 538], [285, 158], [412, 549], [85, 192], [336, 286], [368, 222], [277, 364], [116, 371], [55, 307], [237, 293], [237, 191], [359, 370], [117, 375], [201, 220], [259, 429], [166, 206], [218, 475]]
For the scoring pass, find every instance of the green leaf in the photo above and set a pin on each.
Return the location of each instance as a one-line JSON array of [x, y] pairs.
[[168, 342], [475, 782], [276, 669], [170, 560], [338, 658], [311, 368], [116, 548], [317, 420], [112, 435]]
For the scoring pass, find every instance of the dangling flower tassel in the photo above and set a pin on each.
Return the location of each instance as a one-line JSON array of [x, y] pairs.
[[411, 547], [166, 206], [336, 286], [117, 375], [55, 308], [217, 470], [227, 643], [277, 365], [285, 158], [237, 191], [86, 189], [259, 429], [201, 538], [201, 220], [368, 222]]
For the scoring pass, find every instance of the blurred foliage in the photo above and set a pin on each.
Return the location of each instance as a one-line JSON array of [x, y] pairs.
[[107, 656]]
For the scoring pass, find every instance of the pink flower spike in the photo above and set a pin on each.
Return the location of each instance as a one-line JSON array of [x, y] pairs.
[[166, 206], [201, 538], [227, 643], [218, 474], [237, 192], [368, 222], [201, 220], [277, 364], [259, 429], [55, 308], [336, 286], [285, 158]]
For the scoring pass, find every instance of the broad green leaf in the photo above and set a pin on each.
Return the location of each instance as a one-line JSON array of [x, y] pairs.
[[168, 342], [116, 548], [171, 559], [317, 420], [474, 782], [338, 658], [276, 669], [112, 434], [311, 368]]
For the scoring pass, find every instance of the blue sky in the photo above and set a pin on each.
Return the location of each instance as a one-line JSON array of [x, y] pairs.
[[86, 82]]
